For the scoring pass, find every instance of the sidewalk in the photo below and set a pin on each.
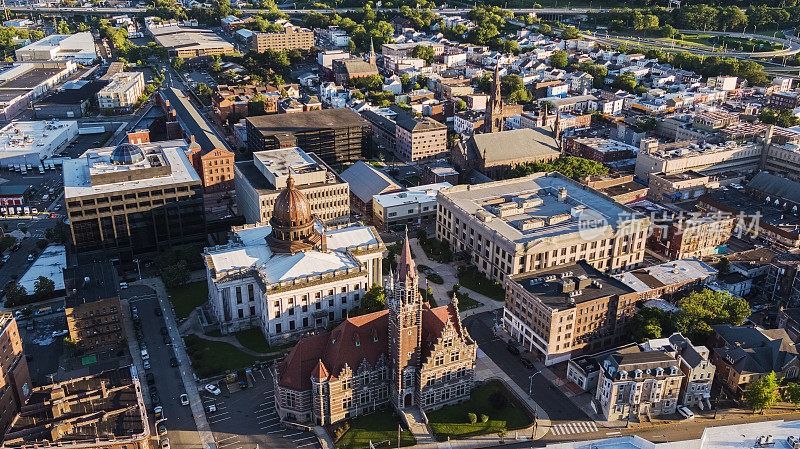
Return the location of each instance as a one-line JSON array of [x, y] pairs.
[[184, 366]]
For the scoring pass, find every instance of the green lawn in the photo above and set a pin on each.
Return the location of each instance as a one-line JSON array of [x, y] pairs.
[[475, 280], [465, 302], [185, 298], [253, 339], [451, 420], [376, 427], [210, 358]]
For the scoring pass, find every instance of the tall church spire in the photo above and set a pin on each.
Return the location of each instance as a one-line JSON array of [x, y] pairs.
[[406, 268], [493, 118], [372, 58]]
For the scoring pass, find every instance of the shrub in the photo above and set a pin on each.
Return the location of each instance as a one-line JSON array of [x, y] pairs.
[[340, 430], [484, 418], [472, 418], [498, 400]]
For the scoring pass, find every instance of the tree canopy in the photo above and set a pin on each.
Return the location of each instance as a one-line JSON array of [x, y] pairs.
[[373, 301], [559, 59], [424, 52], [573, 167], [763, 393]]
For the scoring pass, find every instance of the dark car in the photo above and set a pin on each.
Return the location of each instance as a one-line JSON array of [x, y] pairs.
[[154, 397], [162, 429], [157, 311], [164, 331], [166, 340], [526, 363], [173, 361], [512, 349], [151, 379]]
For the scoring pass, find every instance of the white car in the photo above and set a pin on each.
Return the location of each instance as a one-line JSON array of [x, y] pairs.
[[184, 399], [685, 412], [213, 389], [60, 333], [212, 408], [145, 355]]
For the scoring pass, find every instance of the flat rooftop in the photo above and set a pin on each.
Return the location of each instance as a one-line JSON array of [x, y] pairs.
[[564, 286], [78, 172], [750, 206], [37, 136], [50, 264], [176, 37], [92, 282], [670, 273], [527, 209], [283, 161], [606, 145], [91, 410], [121, 82], [414, 195], [299, 122]]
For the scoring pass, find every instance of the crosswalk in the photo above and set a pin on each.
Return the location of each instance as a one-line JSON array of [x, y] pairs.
[[574, 428]]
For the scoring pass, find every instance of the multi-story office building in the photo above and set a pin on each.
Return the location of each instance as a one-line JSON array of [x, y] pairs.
[[708, 159], [122, 92], [109, 405], [291, 38], [564, 311], [334, 135], [408, 355], [291, 277], [687, 237], [539, 221], [94, 314], [258, 183], [134, 199], [634, 383], [408, 208], [412, 139], [16, 379]]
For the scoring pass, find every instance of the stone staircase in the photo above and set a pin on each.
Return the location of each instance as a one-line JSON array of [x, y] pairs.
[[415, 421]]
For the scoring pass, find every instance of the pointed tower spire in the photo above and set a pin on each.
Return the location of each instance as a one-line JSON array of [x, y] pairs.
[[454, 301], [372, 58], [406, 268]]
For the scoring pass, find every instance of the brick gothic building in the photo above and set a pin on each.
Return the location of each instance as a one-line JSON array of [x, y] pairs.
[[409, 355]]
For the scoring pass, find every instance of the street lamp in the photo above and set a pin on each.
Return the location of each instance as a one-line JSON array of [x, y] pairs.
[[138, 268], [530, 386]]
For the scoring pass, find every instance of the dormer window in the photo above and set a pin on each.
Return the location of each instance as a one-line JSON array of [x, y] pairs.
[[673, 370], [623, 375], [637, 374], [659, 371]]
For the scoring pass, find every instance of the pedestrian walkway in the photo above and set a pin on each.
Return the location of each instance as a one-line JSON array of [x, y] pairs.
[[417, 426], [574, 428]]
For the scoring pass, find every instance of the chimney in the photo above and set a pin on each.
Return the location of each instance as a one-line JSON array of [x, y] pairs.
[[648, 145], [562, 194], [139, 136]]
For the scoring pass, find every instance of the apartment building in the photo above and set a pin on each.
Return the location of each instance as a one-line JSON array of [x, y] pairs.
[[258, 183], [122, 92], [16, 379], [539, 221], [783, 100], [695, 364], [291, 38], [419, 139], [133, 199], [110, 403], [668, 278], [236, 100], [568, 310], [92, 306], [633, 383], [687, 237]]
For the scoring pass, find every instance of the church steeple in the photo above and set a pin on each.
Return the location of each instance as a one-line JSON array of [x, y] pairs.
[[372, 58], [493, 118]]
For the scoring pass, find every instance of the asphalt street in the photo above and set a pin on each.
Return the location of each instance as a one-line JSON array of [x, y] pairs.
[[180, 424]]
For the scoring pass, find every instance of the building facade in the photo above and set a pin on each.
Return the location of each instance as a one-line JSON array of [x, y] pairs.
[[291, 38], [409, 208], [16, 387], [409, 356], [688, 237], [122, 92], [258, 183], [568, 310], [539, 221], [290, 277], [92, 306]]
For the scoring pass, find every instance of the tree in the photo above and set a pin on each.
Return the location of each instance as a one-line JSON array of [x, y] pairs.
[[44, 287], [425, 53], [573, 167], [175, 274], [650, 322], [763, 393], [63, 28], [625, 81], [559, 59], [570, 33], [512, 87], [700, 310], [373, 301], [545, 29], [724, 266], [502, 434], [793, 393], [461, 105], [15, 294]]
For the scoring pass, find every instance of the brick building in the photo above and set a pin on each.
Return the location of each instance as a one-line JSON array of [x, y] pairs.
[[409, 355], [290, 38], [16, 379], [94, 314], [689, 237], [229, 100]]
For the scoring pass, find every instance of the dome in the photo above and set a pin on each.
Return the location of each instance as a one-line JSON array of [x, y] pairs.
[[291, 207], [126, 154]]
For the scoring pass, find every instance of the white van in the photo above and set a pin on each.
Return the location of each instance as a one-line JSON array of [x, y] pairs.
[[145, 355], [685, 412]]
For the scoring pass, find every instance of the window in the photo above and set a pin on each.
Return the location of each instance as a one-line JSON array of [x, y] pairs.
[[439, 360], [455, 356]]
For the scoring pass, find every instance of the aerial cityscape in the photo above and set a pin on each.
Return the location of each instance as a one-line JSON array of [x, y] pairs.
[[361, 224]]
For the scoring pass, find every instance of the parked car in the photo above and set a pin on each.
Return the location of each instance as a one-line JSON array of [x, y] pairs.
[[212, 408], [157, 311], [166, 340], [173, 362], [165, 443], [526, 363], [685, 412], [59, 333], [213, 389], [512, 348], [145, 355], [164, 331], [162, 429], [151, 378], [158, 412], [184, 399]]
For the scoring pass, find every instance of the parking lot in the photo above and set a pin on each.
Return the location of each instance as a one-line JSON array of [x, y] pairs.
[[246, 418]]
